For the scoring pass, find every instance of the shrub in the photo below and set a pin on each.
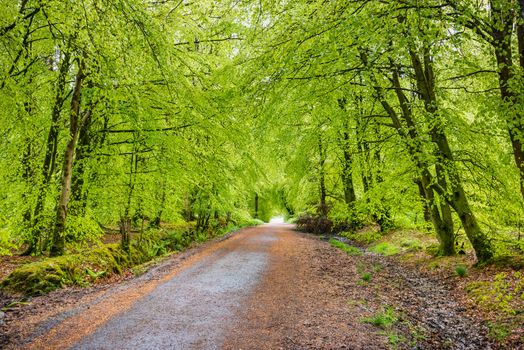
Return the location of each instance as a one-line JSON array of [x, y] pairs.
[[314, 224], [384, 319], [461, 270], [367, 236], [344, 247], [385, 248]]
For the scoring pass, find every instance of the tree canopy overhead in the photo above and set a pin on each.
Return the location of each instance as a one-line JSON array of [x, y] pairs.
[[129, 112]]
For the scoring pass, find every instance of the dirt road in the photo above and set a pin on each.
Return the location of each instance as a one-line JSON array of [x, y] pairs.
[[267, 287]]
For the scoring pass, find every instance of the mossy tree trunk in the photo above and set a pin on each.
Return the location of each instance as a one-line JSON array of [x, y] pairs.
[[452, 190], [58, 238], [347, 161], [49, 163], [406, 128]]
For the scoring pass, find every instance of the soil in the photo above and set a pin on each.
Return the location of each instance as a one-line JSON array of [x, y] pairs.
[[267, 287]]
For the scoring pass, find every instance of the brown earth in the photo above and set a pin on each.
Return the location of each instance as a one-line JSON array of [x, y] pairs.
[[285, 290]]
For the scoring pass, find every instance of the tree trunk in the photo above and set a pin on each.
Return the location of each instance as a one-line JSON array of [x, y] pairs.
[[256, 205], [347, 173], [158, 217], [125, 232], [83, 151], [445, 160], [407, 130], [347, 161], [48, 167], [125, 220], [322, 208], [58, 241], [425, 206], [347, 178]]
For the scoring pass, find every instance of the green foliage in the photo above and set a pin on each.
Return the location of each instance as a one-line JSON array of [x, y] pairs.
[[385, 248], [461, 270], [350, 250], [365, 236], [191, 111], [81, 229], [505, 293], [384, 319], [366, 277]]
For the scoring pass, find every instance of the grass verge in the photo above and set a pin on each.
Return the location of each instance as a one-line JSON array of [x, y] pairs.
[[90, 265]]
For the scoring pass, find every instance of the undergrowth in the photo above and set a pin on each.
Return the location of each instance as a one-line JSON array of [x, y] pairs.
[[384, 319], [385, 248], [350, 250], [85, 267], [505, 293]]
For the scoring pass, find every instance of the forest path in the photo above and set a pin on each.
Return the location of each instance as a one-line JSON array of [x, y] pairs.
[[266, 287]]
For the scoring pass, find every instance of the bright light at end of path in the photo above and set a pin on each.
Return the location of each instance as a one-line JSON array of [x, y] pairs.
[[277, 220]]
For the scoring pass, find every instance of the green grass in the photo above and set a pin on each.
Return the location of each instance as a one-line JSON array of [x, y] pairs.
[[366, 277], [350, 250], [384, 319], [498, 331], [411, 244], [385, 248], [461, 270], [364, 237], [377, 267]]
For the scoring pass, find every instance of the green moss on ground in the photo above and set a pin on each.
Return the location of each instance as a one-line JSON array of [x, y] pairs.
[[86, 267], [47, 275], [344, 247]]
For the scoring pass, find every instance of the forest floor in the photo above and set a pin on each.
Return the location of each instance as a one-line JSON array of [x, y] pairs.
[[266, 287]]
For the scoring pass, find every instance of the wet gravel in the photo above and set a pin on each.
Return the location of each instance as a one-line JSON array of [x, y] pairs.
[[193, 309], [267, 287], [428, 305]]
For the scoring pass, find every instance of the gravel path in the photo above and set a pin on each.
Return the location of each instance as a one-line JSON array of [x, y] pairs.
[[267, 287], [184, 312]]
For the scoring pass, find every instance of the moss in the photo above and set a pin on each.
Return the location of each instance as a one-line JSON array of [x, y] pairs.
[[88, 266], [385, 248], [53, 273], [344, 247], [365, 236]]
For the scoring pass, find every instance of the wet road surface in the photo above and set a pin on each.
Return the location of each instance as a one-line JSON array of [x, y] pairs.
[[190, 310]]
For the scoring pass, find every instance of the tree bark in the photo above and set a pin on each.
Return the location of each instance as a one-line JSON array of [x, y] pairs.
[[347, 162], [322, 208], [407, 130], [425, 206], [453, 191], [83, 151], [58, 240], [48, 166]]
